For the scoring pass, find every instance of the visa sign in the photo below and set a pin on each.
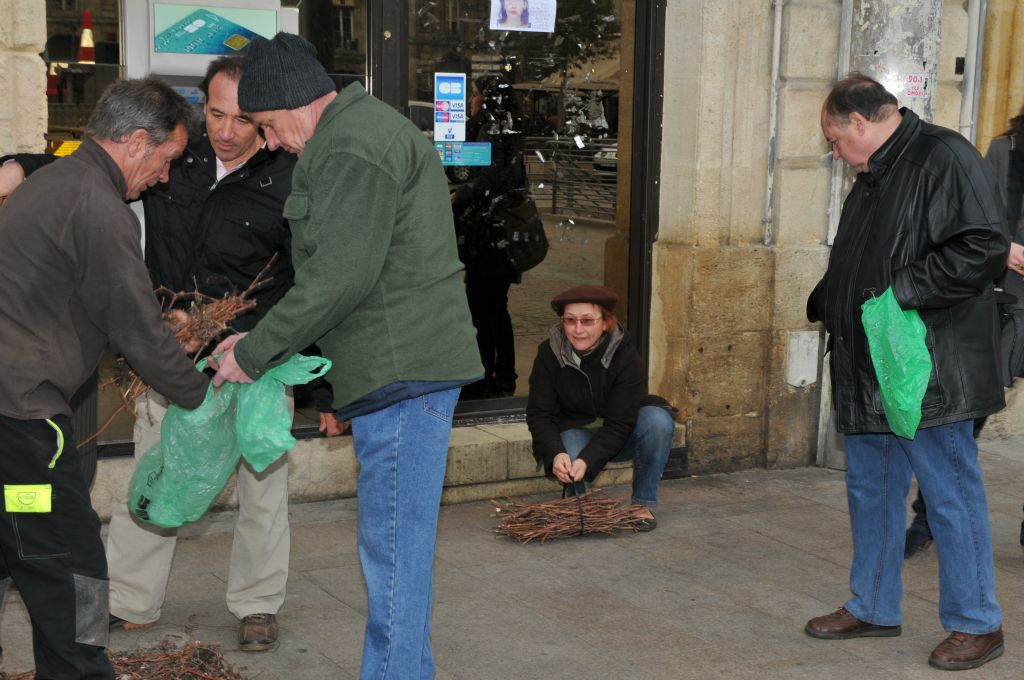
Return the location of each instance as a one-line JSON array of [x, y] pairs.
[[450, 106]]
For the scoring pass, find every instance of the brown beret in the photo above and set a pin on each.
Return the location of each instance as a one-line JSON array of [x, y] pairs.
[[594, 294]]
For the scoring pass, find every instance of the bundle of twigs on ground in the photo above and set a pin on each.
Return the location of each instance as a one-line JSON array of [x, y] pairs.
[[194, 660], [526, 522], [205, 320]]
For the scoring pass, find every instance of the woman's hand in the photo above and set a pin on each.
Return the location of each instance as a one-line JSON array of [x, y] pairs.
[[567, 470]]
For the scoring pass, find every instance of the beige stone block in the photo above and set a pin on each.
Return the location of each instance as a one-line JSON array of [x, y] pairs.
[[726, 374], [613, 475], [947, 105], [797, 271], [476, 456], [802, 200], [810, 39], [800, 123], [792, 413], [497, 490], [953, 39], [518, 445], [668, 378], [320, 469], [674, 268], [732, 289], [23, 110], [726, 444], [682, 114], [23, 27], [521, 463]]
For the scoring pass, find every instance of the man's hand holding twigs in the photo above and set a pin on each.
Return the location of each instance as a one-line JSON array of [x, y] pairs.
[[178, 319]]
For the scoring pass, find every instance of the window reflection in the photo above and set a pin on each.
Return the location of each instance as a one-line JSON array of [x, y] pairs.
[[564, 90]]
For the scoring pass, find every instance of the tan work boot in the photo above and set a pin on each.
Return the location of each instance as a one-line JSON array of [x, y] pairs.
[[257, 633]]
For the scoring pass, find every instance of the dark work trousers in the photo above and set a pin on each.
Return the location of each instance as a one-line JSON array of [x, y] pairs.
[[487, 294], [55, 558]]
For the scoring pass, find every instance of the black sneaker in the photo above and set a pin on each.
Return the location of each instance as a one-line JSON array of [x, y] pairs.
[[919, 537]]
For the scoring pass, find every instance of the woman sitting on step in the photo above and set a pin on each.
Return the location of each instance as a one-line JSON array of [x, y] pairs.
[[588, 402]]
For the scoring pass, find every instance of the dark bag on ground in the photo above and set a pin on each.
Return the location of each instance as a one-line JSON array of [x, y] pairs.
[[520, 234]]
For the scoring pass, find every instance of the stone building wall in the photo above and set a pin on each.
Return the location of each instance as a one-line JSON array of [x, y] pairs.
[[22, 75], [729, 295]]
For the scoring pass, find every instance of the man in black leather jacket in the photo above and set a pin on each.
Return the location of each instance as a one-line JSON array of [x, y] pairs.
[[923, 218]]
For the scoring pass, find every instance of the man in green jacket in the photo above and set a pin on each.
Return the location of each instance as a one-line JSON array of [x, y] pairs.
[[377, 287]]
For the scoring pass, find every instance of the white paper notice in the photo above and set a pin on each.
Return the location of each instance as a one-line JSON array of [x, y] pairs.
[[523, 15]]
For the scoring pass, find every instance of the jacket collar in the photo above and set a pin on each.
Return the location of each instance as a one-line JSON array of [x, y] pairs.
[[566, 355], [890, 152], [201, 153], [97, 155], [351, 94]]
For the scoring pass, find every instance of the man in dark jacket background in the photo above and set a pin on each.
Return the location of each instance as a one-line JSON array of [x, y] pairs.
[[923, 218], [74, 283]]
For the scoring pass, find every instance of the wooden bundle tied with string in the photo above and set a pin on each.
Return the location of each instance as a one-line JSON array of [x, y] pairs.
[[193, 661], [589, 513], [205, 321]]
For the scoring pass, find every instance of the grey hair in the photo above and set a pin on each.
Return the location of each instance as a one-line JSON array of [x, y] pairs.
[[145, 104], [858, 93]]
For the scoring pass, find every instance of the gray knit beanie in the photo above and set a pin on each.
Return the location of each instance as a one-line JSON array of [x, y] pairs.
[[282, 73]]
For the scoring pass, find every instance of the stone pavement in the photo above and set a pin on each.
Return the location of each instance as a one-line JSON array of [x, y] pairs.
[[721, 589]]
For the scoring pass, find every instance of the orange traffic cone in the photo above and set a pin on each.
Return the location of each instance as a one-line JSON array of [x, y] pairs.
[[86, 46]]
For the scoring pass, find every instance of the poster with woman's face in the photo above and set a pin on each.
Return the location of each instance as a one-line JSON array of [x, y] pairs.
[[523, 15]]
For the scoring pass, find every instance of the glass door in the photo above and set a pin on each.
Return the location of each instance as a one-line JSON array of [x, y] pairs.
[[544, 98]]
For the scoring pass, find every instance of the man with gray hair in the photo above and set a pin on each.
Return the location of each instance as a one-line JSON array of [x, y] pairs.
[[923, 219], [74, 280]]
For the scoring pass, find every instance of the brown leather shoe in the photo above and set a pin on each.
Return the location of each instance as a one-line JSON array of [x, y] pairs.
[[842, 625], [961, 651], [257, 633]]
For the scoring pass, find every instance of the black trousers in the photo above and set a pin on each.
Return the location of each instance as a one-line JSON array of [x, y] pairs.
[[55, 558], [487, 294]]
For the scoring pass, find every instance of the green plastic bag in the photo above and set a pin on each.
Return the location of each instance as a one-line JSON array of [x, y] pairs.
[[177, 480], [901, 360]]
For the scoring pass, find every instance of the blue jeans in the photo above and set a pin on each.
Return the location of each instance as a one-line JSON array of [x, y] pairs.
[[945, 460], [402, 451], [648, 447]]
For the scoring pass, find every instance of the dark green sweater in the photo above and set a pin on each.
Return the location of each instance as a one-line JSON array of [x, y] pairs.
[[377, 283]]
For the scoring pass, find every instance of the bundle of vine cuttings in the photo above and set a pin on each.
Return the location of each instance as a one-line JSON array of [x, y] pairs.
[[167, 662], [591, 513], [204, 320]]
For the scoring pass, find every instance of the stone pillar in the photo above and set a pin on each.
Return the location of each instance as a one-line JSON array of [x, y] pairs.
[[896, 42], [730, 343], [23, 112]]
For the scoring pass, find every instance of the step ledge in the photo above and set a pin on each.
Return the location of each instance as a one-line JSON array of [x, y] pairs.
[[484, 462]]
